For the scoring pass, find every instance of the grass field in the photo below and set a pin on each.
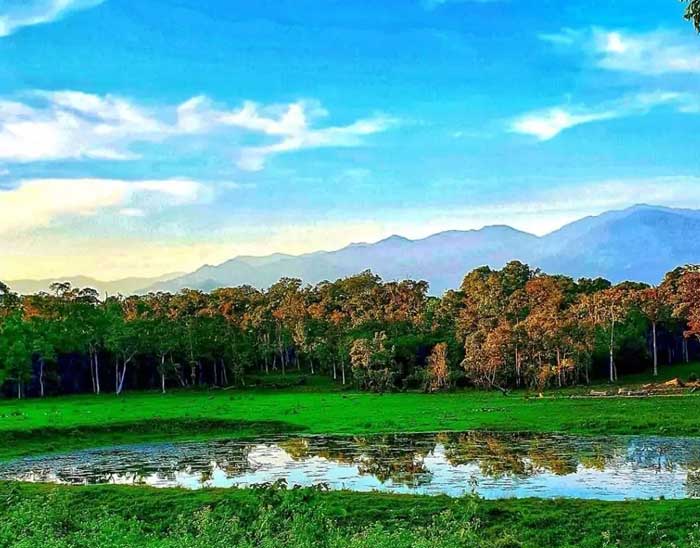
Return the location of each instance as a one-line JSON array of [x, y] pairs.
[[55, 424], [140, 516], [37, 426]]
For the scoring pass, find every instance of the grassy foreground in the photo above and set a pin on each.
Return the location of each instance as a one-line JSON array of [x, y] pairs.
[[137, 516]]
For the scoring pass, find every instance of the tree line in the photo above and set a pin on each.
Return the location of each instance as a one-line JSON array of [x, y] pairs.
[[514, 327]]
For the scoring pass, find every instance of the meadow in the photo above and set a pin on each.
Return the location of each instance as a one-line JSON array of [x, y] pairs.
[[110, 515], [319, 407]]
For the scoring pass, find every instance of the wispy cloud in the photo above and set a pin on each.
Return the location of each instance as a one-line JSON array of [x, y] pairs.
[[69, 124], [290, 124], [547, 123], [434, 4], [37, 203], [588, 197], [26, 13], [545, 210], [75, 125], [651, 53]]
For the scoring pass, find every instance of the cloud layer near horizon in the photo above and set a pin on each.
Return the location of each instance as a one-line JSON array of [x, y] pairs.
[[49, 200]]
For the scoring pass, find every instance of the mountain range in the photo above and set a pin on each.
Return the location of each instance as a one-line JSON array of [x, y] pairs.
[[125, 286], [640, 243]]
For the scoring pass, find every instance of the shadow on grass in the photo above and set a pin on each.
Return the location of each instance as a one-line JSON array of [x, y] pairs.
[[17, 443]]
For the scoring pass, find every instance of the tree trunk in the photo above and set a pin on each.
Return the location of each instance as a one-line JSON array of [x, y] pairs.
[[335, 371], [612, 352], [193, 363], [178, 372], [162, 374], [19, 389], [120, 387], [41, 376], [224, 373], [266, 353], [92, 373], [559, 367], [342, 367], [97, 373], [517, 366], [656, 353]]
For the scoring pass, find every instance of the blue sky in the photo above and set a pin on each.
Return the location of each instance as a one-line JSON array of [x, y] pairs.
[[138, 138]]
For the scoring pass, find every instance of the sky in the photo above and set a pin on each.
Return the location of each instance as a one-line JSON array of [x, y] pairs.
[[142, 138]]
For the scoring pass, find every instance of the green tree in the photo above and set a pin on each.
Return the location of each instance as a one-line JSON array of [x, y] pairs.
[[692, 13], [654, 306], [16, 351]]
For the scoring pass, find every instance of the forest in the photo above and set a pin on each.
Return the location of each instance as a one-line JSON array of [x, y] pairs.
[[502, 329]]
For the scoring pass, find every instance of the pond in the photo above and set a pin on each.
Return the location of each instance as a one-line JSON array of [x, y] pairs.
[[489, 464]]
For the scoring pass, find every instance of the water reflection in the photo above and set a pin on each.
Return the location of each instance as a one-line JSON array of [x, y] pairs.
[[492, 465]]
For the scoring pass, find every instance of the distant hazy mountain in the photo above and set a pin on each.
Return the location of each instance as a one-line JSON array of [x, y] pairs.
[[640, 243], [127, 286]]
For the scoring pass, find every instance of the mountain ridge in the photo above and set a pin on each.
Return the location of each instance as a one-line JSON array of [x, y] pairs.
[[132, 284], [588, 247], [638, 243]]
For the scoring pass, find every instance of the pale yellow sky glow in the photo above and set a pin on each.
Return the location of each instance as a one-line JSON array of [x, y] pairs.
[[109, 259], [105, 232]]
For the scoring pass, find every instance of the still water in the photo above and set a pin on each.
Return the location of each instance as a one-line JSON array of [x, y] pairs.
[[491, 465]]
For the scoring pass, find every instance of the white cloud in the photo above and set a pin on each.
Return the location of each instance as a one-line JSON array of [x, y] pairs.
[[548, 123], [291, 124], [69, 124], [15, 15], [652, 53], [37, 203], [75, 125], [672, 191], [132, 212], [540, 209], [434, 4]]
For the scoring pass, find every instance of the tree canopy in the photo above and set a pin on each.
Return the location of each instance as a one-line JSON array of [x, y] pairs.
[[502, 328], [692, 13]]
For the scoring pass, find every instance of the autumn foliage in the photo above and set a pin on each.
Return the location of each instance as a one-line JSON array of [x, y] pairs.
[[514, 327]]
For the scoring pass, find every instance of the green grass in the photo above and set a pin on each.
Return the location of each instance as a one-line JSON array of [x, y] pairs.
[[666, 373], [315, 406], [505, 523], [60, 423]]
